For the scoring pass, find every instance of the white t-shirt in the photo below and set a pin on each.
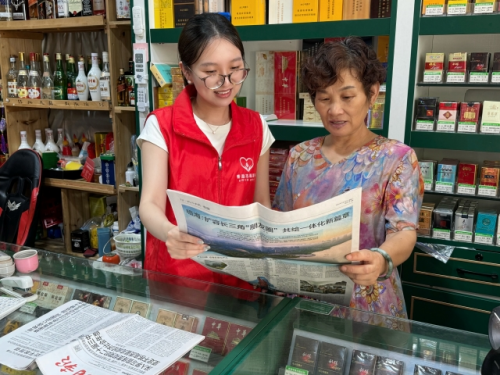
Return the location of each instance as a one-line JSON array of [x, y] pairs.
[[153, 134]]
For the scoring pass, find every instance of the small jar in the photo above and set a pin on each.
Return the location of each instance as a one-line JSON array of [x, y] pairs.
[[97, 174]]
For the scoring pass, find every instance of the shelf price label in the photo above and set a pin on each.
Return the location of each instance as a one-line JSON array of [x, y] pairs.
[[463, 236], [467, 127], [200, 353], [487, 191], [453, 77], [289, 370], [479, 77], [433, 76], [490, 128], [483, 7], [457, 7], [428, 185], [445, 126], [441, 234], [484, 238], [466, 189], [443, 187], [495, 77], [424, 125], [434, 10]]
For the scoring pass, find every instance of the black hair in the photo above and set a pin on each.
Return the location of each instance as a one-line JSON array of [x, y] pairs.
[[199, 32]]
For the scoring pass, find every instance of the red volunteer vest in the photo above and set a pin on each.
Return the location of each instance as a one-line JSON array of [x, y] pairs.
[[194, 167]]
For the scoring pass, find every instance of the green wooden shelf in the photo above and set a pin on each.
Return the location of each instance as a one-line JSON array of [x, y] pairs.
[[464, 196], [469, 245], [313, 30], [304, 133], [456, 141], [471, 85], [480, 24]]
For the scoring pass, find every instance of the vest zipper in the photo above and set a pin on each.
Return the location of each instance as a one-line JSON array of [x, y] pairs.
[[219, 179]]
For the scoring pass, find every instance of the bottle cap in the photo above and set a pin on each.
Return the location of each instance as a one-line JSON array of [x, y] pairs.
[[93, 54], [12, 59]]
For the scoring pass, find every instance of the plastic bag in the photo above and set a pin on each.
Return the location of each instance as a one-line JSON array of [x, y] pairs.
[[440, 252]]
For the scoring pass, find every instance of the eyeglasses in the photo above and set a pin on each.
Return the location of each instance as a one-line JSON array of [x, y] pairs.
[[214, 81]]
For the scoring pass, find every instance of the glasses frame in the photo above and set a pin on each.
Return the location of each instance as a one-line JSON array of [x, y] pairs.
[[223, 78]]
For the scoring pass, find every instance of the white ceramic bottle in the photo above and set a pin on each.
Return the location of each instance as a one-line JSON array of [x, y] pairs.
[[24, 141], [93, 79], [82, 86], [38, 145], [50, 146]]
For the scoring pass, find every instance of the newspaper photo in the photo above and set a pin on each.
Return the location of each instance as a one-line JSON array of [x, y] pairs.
[[81, 338], [296, 252]]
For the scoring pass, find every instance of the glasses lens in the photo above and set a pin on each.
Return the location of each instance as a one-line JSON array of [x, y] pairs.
[[238, 76], [214, 81]]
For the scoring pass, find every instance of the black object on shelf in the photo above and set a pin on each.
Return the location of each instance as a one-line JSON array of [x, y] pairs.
[[62, 174]]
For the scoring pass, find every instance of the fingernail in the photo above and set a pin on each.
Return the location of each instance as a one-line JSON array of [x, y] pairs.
[[343, 269], [201, 242], [348, 257], [207, 248]]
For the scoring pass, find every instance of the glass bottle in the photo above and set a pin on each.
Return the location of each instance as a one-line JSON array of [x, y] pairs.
[[93, 79], [130, 82], [89, 64], [82, 86], [38, 145], [24, 141], [71, 79], [22, 64], [5, 10], [75, 8], [47, 81], [32, 61], [60, 82], [99, 61], [20, 10], [105, 78], [50, 146], [12, 78], [34, 85], [82, 59], [99, 7], [65, 63], [121, 89], [38, 64], [22, 81], [60, 138], [62, 9]]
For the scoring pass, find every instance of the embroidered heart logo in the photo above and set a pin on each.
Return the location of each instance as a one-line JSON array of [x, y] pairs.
[[246, 163]]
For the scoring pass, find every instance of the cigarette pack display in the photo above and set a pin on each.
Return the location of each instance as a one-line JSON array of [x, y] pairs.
[[362, 363], [443, 221], [434, 67], [428, 170], [186, 322], [485, 6], [479, 71], [305, 353], [285, 84], [458, 8], [489, 176], [467, 174], [428, 349], [305, 11], [264, 82], [447, 171], [140, 308], [215, 332], [389, 366], [166, 317], [433, 7], [464, 227], [331, 359], [486, 224], [495, 68], [469, 117], [425, 219], [426, 113], [448, 116], [122, 305], [457, 67], [235, 334], [490, 122], [426, 370], [447, 353]]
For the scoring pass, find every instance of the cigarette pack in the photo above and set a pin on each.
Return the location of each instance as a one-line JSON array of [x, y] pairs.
[[425, 219], [469, 117], [426, 113], [486, 224], [480, 62], [305, 353], [457, 62], [331, 359], [362, 363], [434, 67], [215, 332], [489, 176], [447, 117], [467, 174], [285, 84], [264, 82], [447, 170], [490, 122]]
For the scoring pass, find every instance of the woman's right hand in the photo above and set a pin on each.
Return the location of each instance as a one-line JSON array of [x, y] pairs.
[[182, 245]]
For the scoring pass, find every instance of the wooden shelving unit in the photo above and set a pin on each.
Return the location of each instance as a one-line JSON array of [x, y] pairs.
[[28, 115]]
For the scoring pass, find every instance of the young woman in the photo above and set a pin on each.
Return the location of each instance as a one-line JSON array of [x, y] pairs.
[[203, 145]]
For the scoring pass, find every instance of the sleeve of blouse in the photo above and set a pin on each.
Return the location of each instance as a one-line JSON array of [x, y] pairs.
[[403, 195], [283, 200]]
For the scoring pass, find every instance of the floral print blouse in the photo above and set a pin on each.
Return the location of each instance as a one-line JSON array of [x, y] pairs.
[[388, 172]]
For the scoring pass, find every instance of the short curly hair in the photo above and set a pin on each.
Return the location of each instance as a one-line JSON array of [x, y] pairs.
[[325, 67]]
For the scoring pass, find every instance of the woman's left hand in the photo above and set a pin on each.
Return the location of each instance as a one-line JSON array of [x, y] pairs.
[[372, 265]]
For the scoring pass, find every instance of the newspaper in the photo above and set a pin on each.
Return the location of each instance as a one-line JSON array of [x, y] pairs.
[[296, 252], [80, 338]]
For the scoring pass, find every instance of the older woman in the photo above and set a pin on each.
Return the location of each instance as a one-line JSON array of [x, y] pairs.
[[343, 80]]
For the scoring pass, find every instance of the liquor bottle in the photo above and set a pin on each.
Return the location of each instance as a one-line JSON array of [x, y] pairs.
[[38, 145], [5, 10], [50, 146], [60, 82], [75, 8], [99, 61], [71, 80], [89, 64], [20, 11], [12, 78], [50, 9], [22, 64], [82, 59], [34, 63], [130, 83], [105, 78], [22, 82], [34, 85], [93, 79], [47, 80], [99, 7], [121, 89], [65, 62], [87, 8], [24, 141], [82, 87], [60, 138], [62, 9]]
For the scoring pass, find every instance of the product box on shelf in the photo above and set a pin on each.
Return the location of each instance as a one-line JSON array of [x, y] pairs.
[[434, 67], [469, 117], [280, 11], [490, 122], [488, 182], [464, 222], [309, 113], [380, 8], [305, 11], [458, 7], [164, 14], [443, 216], [479, 71], [486, 227], [330, 10], [428, 170], [485, 6], [285, 84], [183, 10], [446, 175], [376, 116], [356, 10], [425, 219], [495, 68], [264, 82], [447, 117], [433, 7], [466, 181], [426, 113], [244, 12], [457, 67]]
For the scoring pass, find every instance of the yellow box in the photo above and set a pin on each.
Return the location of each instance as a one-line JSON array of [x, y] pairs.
[[330, 10], [164, 14], [165, 103], [100, 140], [165, 90], [305, 11], [248, 12], [383, 48]]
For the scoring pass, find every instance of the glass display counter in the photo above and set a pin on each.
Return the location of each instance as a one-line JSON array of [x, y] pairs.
[[224, 315], [315, 338]]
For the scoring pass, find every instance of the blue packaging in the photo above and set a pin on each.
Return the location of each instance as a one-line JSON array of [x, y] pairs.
[[447, 173], [108, 169], [486, 223]]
